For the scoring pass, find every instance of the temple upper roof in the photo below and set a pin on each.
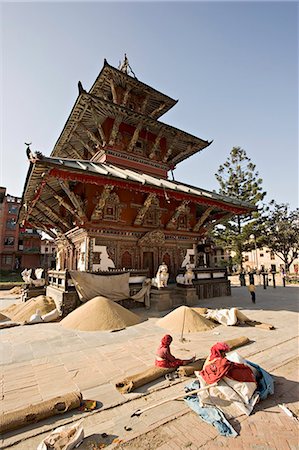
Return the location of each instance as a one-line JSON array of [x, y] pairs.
[[157, 103], [120, 113]]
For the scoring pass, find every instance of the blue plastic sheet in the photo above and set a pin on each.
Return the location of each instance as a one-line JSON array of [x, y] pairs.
[[209, 414]]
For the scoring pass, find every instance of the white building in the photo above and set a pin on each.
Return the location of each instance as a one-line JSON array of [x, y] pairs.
[[265, 259], [48, 253]]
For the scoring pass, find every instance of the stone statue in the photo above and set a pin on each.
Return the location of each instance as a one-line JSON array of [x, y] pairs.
[[162, 276], [189, 274]]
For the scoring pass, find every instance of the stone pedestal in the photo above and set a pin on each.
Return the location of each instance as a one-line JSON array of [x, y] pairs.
[[173, 296], [186, 295], [161, 299], [65, 302], [32, 292]]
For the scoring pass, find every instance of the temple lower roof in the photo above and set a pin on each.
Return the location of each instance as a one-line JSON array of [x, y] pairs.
[[43, 183]]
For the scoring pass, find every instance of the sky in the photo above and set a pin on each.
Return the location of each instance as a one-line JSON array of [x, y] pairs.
[[232, 65]]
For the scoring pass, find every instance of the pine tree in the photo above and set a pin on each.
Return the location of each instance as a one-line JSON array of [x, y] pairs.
[[238, 178]]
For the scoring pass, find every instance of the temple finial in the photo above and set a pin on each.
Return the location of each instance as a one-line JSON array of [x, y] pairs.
[[125, 67]]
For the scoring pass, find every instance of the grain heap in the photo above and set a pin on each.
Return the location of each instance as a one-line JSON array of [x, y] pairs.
[[17, 290], [23, 311], [100, 314], [184, 319], [11, 309], [3, 317]]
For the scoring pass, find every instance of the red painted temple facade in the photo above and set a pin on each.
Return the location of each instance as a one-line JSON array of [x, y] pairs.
[[104, 192]]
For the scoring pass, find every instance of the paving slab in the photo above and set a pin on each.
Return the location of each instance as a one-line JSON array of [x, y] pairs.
[[63, 359]]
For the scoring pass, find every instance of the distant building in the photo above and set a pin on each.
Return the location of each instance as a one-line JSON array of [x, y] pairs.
[[9, 230], [257, 259], [29, 248], [48, 253], [264, 259], [19, 247]]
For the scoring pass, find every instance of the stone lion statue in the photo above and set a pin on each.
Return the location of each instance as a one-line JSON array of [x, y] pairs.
[[162, 276]]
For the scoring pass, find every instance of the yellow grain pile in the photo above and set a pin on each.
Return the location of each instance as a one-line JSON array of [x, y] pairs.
[[184, 319], [100, 314], [17, 290], [11, 309], [3, 317], [24, 311]]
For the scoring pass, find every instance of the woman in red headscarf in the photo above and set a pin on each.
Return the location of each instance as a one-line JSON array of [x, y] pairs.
[[218, 366], [165, 359]]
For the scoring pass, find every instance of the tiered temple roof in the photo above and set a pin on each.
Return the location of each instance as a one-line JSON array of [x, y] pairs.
[[120, 109], [113, 144]]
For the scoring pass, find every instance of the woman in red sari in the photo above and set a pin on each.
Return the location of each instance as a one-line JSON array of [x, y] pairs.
[[165, 359], [218, 366]]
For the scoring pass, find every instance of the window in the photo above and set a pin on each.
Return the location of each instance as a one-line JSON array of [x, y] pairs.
[[126, 260], [182, 221], [153, 215], [272, 256], [138, 148], [53, 249], [261, 255], [46, 249], [150, 218], [9, 240], [246, 258], [7, 260], [13, 209], [96, 258], [109, 212], [11, 224]]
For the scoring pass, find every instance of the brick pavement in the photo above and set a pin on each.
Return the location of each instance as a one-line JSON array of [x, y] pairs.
[[267, 428], [55, 359]]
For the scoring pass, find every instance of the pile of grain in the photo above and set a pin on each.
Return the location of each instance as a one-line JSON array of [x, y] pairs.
[[184, 319], [11, 309], [3, 317], [17, 290], [24, 311], [100, 314]]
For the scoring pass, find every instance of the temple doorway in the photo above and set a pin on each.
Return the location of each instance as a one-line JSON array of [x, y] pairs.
[[148, 263]]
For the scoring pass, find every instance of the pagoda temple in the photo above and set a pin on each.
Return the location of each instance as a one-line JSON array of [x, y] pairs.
[[104, 193]]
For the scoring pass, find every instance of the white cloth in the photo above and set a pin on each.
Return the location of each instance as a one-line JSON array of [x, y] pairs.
[[226, 317], [230, 396]]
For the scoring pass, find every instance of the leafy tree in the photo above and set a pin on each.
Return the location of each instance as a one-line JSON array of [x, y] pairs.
[[238, 178], [281, 232]]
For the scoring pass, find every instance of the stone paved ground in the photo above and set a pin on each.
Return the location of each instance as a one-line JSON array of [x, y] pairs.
[[44, 360]]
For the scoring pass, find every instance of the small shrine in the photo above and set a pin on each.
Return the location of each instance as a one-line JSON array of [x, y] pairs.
[[104, 193]]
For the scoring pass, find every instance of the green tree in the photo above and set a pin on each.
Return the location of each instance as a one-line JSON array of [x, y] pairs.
[[281, 232], [238, 178]]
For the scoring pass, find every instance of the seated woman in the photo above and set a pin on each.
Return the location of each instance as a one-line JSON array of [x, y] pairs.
[[165, 359], [218, 366]]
